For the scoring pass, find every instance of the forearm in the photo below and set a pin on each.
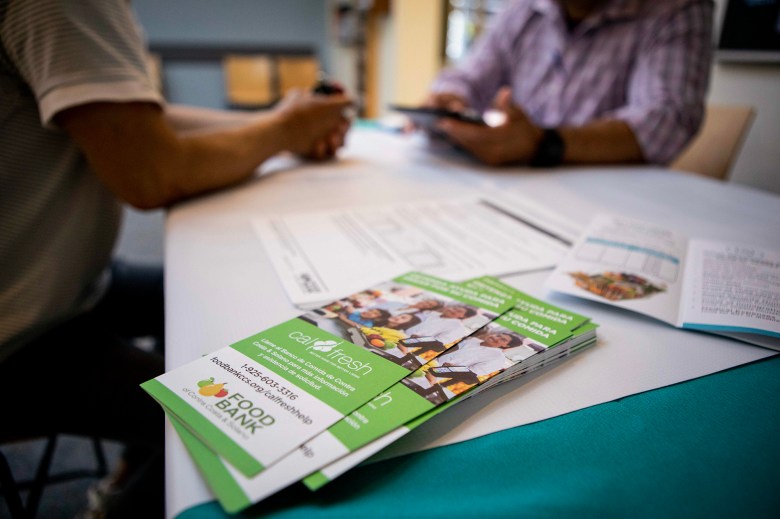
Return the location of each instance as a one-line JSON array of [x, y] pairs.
[[191, 119], [134, 150], [600, 142], [215, 159], [156, 167]]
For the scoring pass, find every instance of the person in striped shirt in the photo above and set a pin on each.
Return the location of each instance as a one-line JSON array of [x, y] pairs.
[[583, 82], [83, 130]]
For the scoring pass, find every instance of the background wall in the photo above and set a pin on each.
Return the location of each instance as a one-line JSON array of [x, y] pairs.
[[757, 85], [236, 22]]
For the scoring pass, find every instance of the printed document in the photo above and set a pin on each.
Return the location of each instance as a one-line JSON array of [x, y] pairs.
[[321, 256]]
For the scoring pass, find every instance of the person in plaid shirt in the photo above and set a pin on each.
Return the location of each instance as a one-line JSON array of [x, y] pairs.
[[583, 82]]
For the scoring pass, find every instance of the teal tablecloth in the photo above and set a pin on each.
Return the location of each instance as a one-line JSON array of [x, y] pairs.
[[709, 447]]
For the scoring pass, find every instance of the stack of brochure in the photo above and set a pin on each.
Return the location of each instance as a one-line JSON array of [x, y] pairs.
[[312, 397]]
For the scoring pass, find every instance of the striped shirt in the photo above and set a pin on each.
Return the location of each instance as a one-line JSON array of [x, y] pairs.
[[58, 223], [645, 62]]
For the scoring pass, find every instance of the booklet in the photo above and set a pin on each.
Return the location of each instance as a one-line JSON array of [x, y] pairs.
[[524, 336], [728, 289], [262, 397]]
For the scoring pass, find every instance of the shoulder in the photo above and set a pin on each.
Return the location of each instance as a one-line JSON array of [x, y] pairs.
[[21, 16], [41, 37]]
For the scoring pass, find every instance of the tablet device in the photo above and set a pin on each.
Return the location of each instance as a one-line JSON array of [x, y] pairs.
[[425, 117]]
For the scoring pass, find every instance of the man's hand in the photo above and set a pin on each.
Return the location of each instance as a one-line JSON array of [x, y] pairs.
[[315, 125], [513, 141]]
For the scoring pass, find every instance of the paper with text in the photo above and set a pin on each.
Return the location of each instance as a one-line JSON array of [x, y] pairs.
[[320, 256], [726, 288]]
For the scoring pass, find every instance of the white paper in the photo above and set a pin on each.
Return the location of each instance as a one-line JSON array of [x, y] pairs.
[[320, 256], [730, 286]]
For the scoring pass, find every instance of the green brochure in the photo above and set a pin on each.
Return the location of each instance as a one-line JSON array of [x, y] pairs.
[[516, 341], [529, 304], [236, 492], [257, 400], [416, 395], [318, 479]]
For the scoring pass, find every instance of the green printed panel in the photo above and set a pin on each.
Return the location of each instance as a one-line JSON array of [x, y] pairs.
[[585, 328], [418, 421], [486, 300], [210, 433], [509, 293], [534, 306], [381, 415], [315, 481], [332, 369], [230, 495], [541, 330]]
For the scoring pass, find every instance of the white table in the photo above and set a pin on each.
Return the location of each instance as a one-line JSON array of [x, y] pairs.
[[221, 287]]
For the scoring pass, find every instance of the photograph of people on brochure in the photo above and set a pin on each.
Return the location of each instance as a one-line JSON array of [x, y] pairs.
[[405, 324], [475, 359]]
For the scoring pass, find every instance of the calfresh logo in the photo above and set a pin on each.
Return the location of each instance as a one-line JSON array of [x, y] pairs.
[[209, 388], [314, 342], [332, 352], [324, 346]]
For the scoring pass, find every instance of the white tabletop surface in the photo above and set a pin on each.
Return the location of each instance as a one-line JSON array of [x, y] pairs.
[[221, 287]]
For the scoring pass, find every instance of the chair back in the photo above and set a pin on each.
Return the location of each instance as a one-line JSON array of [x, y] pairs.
[[713, 151]]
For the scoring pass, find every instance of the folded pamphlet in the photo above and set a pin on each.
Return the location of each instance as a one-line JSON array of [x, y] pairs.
[[729, 289], [532, 335], [257, 400]]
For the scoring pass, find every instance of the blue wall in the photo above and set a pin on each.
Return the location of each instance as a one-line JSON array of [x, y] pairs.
[[237, 22]]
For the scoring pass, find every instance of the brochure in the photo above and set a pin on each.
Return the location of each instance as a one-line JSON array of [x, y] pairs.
[[440, 381], [262, 397], [724, 288], [456, 239], [453, 387], [318, 479]]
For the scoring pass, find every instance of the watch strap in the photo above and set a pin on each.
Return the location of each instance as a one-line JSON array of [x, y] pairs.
[[550, 151]]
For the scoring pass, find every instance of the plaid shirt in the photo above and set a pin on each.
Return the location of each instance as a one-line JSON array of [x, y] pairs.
[[645, 62]]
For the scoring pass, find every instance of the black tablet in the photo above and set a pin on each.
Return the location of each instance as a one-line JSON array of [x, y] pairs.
[[425, 117]]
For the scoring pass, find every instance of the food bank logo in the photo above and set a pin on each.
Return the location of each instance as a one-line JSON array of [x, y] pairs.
[[209, 388]]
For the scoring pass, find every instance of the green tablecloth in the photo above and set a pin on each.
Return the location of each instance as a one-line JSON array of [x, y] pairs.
[[709, 447]]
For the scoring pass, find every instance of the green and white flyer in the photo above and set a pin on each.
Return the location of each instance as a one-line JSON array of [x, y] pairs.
[[257, 400], [517, 340], [318, 479], [491, 351]]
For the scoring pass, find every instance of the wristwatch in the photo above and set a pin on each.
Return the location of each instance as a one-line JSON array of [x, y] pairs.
[[550, 150]]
